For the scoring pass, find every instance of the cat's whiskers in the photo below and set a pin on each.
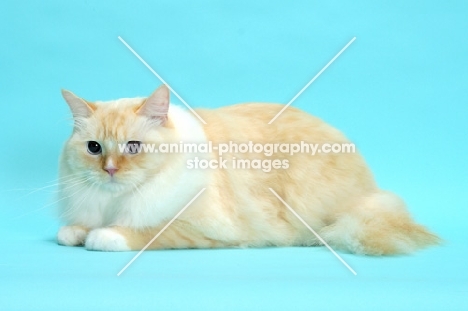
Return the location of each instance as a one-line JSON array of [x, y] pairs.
[[65, 177], [74, 193], [59, 182], [73, 182], [76, 182], [61, 199], [77, 204], [48, 183]]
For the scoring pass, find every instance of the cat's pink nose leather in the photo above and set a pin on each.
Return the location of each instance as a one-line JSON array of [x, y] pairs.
[[111, 171]]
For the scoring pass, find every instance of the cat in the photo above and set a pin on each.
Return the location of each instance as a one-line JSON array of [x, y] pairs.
[[114, 200]]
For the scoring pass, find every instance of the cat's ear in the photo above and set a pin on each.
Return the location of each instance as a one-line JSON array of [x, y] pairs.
[[79, 107], [157, 105]]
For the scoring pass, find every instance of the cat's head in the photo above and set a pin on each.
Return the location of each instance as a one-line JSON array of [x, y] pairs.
[[103, 149]]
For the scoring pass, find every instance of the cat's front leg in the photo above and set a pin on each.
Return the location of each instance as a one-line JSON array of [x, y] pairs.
[[107, 239], [178, 235], [72, 235]]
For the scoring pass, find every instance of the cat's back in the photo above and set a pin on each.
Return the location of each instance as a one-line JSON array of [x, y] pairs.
[[250, 121]]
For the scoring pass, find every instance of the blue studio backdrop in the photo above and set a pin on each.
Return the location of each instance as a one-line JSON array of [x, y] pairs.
[[399, 92]]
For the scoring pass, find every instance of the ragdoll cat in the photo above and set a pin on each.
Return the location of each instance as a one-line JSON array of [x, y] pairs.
[[117, 200]]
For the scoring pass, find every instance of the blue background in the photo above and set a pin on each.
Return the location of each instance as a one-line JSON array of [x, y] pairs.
[[399, 91]]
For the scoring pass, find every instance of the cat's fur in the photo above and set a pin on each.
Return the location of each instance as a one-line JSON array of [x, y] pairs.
[[334, 193]]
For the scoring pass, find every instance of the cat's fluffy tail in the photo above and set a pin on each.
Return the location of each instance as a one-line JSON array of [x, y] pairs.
[[379, 225]]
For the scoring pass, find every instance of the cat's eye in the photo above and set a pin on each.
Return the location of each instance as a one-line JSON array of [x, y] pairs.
[[133, 146], [94, 147]]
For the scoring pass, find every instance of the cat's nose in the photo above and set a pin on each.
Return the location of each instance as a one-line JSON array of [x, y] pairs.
[[111, 171]]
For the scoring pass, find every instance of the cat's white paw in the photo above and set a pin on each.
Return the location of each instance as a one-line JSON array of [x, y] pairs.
[[71, 235], [106, 239]]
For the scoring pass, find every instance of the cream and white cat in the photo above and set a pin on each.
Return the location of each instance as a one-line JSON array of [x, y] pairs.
[[118, 201]]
